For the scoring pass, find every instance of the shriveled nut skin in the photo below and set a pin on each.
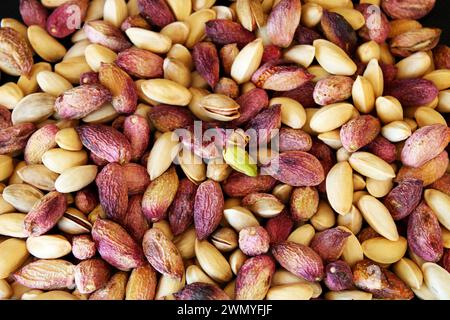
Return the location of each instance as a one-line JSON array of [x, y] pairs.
[[240, 185], [134, 221], [383, 148], [5, 117], [167, 118], [83, 247], [16, 55], [201, 291], [157, 12], [223, 32], [424, 234], [359, 132], [251, 103], [299, 259], [91, 275], [181, 211], [279, 227], [141, 284], [283, 21], [302, 94], [412, 92], [442, 184], [140, 63], [116, 246], [254, 278], [338, 30], [404, 198], [304, 202], [382, 283], [13, 139], [206, 61], [442, 57], [113, 290], [137, 178], [254, 241], [338, 276], [86, 200], [294, 140], [263, 126], [332, 89], [137, 131], [208, 208], [326, 158], [329, 244], [33, 13]]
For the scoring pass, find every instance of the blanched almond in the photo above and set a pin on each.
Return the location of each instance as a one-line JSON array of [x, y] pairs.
[[247, 61], [385, 251], [339, 186], [149, 40], [333, 59], [331, 117]]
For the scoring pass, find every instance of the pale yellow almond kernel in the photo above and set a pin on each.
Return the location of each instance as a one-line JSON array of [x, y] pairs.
[[58, 160], [352, 16], [388, 109], [399, 26], [331, 117], [396, 131], [52, 83], [10, 95], [177, 31], [363, 95], [424, 293], [409, 272], [374, 74], [342, 154], [164, 226], [437, 280], [166, 91], [223, 12], [230, 288], [444, 101], [369, 165], [379, 188], [283, 277], [133, 8], [292, 112], [75, 178], [68, 139], [237, 260], [368, 51], [196, 274], [445, 237], [149, 40], [11, 225], [427, 116], [239, 218], [185, 243], [417, 260], [71, 69], [34, 108], [384, 251], [167, 286], [95, 10], [197, 81], [294, 291], [181, 9], [47, 47], [339, 186], [318, 72], [181, 53], [48, 246], [96, 55], [6, 167], [302, 235], [378, 217], [196, 22], [247, 61], [115, 12], [331, 139], [105, 114], [32, 294], [164, 150], [353, 251], [5, 290], [79, 35], [440, 78], [56, 295], [358, 182], [413, 66], [439, 202], [5, 207], [348, 294], [177, 71], [28, 84], [309, 114], [13, 253], [385, 54], [324, 218], [53, 3], [333, 59], [432, 67], [77, 50], [212, 261], [301, 54], [351, 220], [330, 4], [38, 176], [311, 14], [14, 178]]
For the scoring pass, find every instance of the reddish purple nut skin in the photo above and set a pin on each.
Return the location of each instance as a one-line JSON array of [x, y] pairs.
[[256, 271], [338, 276], [33, 13], [157, 12], [206, 60], [208, 208], [263, 127], [412, 92], [134, 221], [137, 178], [424, 234], [201, 291], [279, 228], [330, 243], [137, 131], [404, 198], [302, 94], [294, 140], [67, 18], [223, 32], [251, 103], [83, 247], [240, 185], [181, 211], [254, 241], [383, 148]]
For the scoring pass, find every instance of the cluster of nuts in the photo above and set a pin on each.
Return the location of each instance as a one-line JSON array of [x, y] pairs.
[[347, 195]]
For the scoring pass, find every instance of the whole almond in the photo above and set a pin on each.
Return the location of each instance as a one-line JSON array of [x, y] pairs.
[[45, 45], [424, 234], [33, 108], [46, 275], [11, 224], [45, 214], [106, 34], [254, 278], [299, 259], [162, 254], [166, 91], [371, 166], [52, 83], [58, 160], [17, 58], [116, 246], [382, 250], [137, 178], [339, 186], [331, 117], [105, 142]]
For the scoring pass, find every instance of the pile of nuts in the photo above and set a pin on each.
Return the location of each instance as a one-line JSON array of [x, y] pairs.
[[247, 149]]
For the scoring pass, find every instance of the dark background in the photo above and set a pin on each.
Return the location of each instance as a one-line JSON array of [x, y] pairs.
[[439, 18]]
